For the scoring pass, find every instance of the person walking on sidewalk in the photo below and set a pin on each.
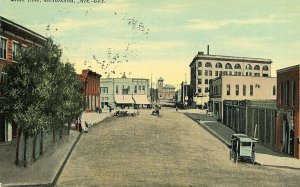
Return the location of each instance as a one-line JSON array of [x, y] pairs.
[[86, 128]]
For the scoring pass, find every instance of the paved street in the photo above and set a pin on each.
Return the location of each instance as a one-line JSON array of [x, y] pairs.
[[166, 150]]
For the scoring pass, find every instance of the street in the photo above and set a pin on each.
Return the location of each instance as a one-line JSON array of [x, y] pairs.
[[166, 150]]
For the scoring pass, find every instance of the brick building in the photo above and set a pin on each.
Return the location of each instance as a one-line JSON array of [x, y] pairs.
[[12, 37], [287, 121], [91, 89]]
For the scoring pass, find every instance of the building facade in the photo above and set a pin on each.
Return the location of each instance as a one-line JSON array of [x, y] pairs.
[[230, 87], [124, 92], [12, 37], [91, 89], [165, 92], [256, 118], [287, 121], [205, 67]]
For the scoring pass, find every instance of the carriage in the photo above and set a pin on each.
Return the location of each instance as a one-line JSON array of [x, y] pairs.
[[242, 148]]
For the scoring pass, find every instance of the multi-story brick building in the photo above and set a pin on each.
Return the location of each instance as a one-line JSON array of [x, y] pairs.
[[205, 67], [12, 37], [91, 91], [288, 114], [165, 92]]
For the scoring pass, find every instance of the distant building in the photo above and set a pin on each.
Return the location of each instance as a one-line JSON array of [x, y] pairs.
[[91, 91], [184, 95], [12, 37], [239, 88], [124, 92], [165, 92], [205, 67], [288, 104]]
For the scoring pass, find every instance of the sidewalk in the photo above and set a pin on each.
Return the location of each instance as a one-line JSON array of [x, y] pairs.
[[46, 170], [264, 156]]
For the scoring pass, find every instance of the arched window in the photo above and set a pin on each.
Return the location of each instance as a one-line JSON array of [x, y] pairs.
[[265, 68], [257, 67], [228, 66], [237, 66], [208, 65], [199, 64], [218, 65], [248, 66]]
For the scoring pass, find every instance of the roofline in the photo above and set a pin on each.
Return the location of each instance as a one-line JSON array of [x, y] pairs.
[[231, 58], [286, 69], [22, 28]]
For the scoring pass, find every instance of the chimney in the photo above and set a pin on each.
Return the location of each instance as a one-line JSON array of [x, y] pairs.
[[207, 49]]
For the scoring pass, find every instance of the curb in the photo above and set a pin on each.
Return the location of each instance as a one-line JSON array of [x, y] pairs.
[[60, 170]]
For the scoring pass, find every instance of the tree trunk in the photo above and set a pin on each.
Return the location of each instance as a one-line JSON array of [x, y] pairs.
[[69, 127], [53, 132], [25, 149], [17, 162], [42, 143], [35, 137], [61, 132]]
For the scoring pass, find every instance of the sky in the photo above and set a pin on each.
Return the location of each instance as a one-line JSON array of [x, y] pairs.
[[159, 38]]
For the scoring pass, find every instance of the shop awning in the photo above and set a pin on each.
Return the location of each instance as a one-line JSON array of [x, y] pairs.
[[124, 99], [141, 99]]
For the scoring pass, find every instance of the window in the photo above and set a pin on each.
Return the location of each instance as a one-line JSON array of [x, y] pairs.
[[199, 81], [237, 66], [104, 90], [135, 89], [206, 81], [199, 72], [210, 81], [257, 67], [256, 74], [228, 66], [216, 73], [199, 64], [251, 90], [220, 73], [239, 73], [230, 72], [228, 89], [293, 93], [265, 68], [274, 90], [244, 90], [128, 88], [287, 93], [15, 49], [208, 65], [281, 93], [237, 89], [206, 89], [250, 73], [206, 73], [140, 88], [143, 88], [218, 65], [210, 73], [117, 89], [3, 48], [248, 66], [199, 90], [225, 73]]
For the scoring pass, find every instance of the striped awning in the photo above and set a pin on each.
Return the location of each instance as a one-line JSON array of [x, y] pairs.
[[124, 99]]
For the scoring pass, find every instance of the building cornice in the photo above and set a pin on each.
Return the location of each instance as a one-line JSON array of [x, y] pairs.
[[287, 69]]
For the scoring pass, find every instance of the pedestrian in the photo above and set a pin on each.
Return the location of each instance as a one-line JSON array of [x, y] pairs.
[[86, 128], [206, 111], [109, 109], [176, 108]]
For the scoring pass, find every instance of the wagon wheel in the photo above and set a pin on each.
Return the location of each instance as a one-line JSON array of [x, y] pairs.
[[252, 157], [236, 158]]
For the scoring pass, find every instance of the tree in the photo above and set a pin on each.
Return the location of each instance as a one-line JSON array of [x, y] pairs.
[[41, 92]]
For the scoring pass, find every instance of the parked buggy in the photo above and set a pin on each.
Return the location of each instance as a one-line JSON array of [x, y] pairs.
[[242, 148]]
